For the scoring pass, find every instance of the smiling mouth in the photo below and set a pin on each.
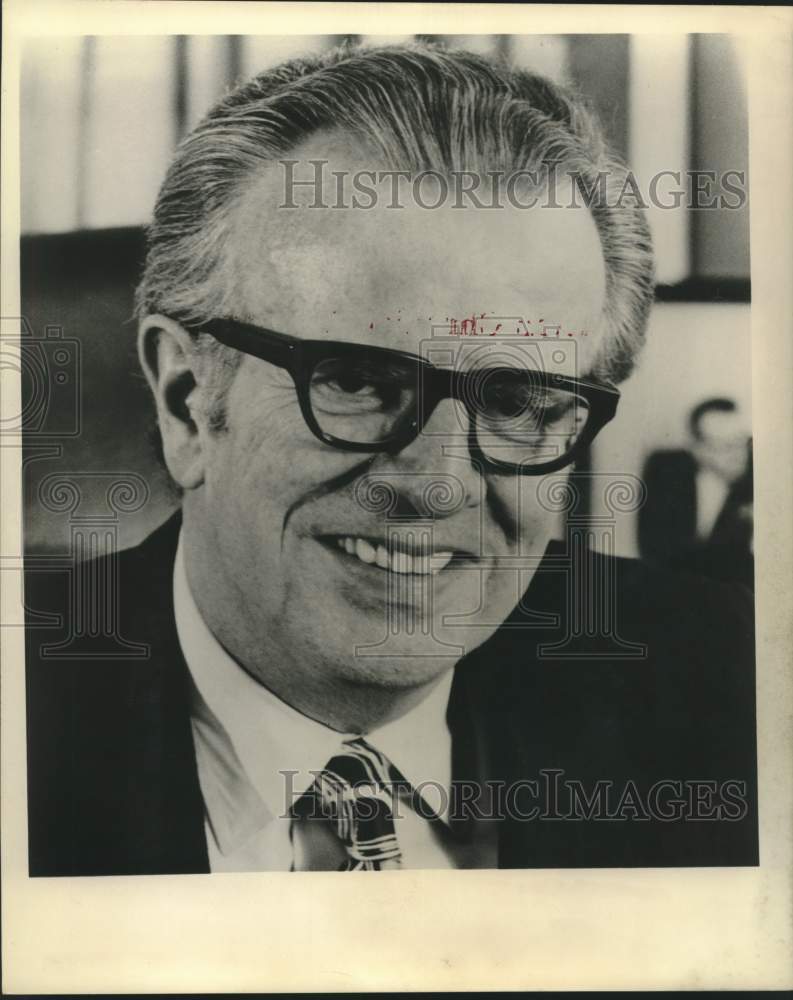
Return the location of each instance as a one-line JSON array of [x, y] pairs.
[[420, 561]]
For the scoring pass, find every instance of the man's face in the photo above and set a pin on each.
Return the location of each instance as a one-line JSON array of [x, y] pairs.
[[268, 531], [723, 444]]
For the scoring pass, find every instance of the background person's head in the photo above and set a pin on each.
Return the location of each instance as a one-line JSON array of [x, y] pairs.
[[720, 437], [268, 507]]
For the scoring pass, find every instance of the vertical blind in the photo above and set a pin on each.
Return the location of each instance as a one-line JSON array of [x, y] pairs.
[[101, 115]]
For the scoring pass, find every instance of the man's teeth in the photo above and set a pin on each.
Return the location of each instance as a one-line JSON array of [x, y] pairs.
[[396, 561]]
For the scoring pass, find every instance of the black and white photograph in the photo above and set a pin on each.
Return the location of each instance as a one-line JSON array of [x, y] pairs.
[[386, 444]]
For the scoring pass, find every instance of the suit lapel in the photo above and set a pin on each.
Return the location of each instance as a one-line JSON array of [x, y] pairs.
[[165, 806], [495, 717], [497, 733]]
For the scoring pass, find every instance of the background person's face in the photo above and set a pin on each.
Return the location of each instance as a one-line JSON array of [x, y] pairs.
[[266, 529], [723, 444]]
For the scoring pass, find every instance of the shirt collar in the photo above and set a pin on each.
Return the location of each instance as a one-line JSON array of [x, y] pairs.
[[255, 738]]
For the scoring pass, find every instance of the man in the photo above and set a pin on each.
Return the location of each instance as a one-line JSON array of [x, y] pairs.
[[362, 644], [698, 514]]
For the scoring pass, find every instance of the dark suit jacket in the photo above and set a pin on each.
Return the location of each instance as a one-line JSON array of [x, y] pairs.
[[668, 522], [113, 787], [668, 518]]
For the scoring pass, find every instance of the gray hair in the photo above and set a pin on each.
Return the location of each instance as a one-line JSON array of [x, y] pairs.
[[418, 107]]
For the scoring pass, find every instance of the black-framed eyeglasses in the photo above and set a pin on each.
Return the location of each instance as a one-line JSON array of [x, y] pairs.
[[363, 398]]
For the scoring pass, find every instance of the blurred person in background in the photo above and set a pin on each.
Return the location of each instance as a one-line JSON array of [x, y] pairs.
[[698, 513]]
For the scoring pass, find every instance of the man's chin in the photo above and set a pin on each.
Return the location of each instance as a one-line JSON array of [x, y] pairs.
[[388, 658]]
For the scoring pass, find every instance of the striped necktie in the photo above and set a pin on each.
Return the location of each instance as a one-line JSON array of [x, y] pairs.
[[355, 792]]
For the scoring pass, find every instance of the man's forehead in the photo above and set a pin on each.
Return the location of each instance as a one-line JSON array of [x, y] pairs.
[[722, 423], [350, 272]]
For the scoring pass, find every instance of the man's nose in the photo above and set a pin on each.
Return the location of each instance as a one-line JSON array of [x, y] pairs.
[[435, 474]]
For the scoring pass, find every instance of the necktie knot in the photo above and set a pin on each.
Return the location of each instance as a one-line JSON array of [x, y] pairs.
[[355, 792]]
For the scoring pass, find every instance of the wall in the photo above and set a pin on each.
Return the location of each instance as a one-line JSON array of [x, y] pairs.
[[694, 351], [101, 116]]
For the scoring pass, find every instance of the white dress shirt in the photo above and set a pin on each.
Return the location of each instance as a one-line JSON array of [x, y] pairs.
[[712, 493], [247, 740]]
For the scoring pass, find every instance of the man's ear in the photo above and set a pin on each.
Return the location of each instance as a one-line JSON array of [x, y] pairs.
[[166, 356]]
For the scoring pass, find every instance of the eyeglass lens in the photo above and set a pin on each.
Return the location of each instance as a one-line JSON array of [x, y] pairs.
[[518, 420]]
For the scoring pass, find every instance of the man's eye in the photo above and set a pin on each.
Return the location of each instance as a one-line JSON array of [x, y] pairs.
[[356, 389], [551, 412], [519, 411], [352, 383], [514, 400]]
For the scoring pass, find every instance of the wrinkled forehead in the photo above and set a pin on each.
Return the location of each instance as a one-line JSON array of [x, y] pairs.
[[396, 276]]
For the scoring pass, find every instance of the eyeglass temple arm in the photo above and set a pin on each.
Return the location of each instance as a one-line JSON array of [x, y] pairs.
[[277, 348]]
